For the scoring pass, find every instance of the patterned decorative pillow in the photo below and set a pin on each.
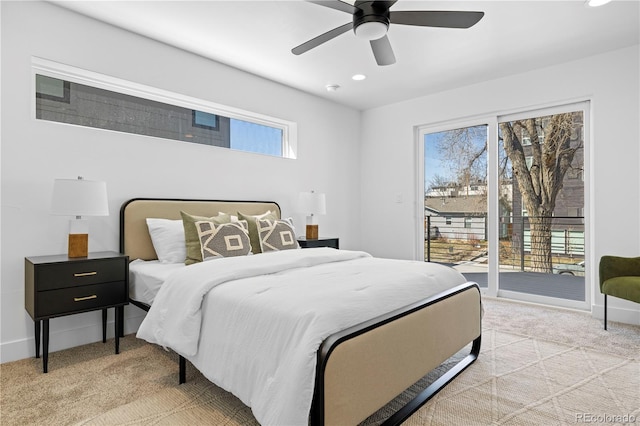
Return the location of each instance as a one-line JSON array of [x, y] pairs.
[[253, 227], [192, 240], [223, 240], [276, 235]]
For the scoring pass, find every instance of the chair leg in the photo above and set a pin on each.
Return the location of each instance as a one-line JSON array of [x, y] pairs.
[[605, 311]]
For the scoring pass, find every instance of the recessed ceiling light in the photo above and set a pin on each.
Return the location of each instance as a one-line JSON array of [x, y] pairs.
[[332, 87], [359, 77]]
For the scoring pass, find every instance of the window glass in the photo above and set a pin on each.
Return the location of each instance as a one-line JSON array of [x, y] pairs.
[[205, 120], [257, 138], [526, 172], [549, 192], [52, 88], [84, 105], [455, 198]]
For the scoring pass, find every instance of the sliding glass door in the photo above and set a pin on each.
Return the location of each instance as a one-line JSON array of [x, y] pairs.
[[455, 200], [542, 176], [504, 203]]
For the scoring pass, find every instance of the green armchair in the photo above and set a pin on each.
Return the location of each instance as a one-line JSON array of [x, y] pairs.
[[619, 277]]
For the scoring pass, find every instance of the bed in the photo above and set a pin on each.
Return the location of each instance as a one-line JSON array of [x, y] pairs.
[[356, 368]]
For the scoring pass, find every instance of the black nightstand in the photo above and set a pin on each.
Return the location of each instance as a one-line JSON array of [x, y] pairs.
[[320, 242], [57, 285]]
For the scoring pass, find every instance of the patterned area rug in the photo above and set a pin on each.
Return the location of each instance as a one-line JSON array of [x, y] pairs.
[[537, 366], [198, 402], [519, 380]]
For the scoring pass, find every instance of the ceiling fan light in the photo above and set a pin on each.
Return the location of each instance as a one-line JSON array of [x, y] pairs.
[[371, 30]]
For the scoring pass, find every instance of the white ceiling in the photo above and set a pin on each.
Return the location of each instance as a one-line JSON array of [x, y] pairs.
[[257, 36]]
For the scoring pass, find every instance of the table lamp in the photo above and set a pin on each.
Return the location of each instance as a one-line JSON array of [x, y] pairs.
[[79, 197], [312, 203]]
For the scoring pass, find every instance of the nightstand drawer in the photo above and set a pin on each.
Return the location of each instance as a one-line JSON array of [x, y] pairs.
[[79, 299], [72, 274], [319, 242]]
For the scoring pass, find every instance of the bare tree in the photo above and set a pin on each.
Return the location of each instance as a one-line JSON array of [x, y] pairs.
[[548, 144], [541, 180], [464, 150], [439, 185]]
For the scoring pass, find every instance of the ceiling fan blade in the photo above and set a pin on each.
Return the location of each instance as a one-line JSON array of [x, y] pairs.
[[436, 18], [384, 4], [322, 38], [382, 51], [336, 4]]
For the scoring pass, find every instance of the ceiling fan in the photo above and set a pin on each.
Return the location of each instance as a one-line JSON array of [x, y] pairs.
[[371, 20]]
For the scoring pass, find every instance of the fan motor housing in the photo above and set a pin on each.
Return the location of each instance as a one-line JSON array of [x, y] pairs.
[[370, 11]]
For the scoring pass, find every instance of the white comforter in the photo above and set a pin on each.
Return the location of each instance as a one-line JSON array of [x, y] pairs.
[[252, 325]]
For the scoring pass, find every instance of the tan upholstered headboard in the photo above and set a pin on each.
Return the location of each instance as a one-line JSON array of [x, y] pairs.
[[134, 234]]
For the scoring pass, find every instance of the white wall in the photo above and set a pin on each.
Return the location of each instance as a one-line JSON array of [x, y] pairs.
[[365, 163], [35, 152], [610, 81]]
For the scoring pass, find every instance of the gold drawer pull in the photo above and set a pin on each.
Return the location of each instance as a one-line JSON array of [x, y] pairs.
[[80, 299], [85, 274]]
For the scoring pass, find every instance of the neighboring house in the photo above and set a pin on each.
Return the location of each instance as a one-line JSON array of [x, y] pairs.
[[457, 218], [461, 214]]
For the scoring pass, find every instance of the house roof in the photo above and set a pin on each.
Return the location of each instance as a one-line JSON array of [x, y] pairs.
[[456, 205]]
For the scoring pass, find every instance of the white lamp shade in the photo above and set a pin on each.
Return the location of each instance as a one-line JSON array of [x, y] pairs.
[[79, 197], [312, 203]]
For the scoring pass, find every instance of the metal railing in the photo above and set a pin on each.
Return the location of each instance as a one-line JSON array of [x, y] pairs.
[[463, 238]]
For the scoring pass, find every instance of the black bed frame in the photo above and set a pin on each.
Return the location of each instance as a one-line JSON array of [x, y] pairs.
[[316, 417], [182, 375], [329, 344], [317, 406]]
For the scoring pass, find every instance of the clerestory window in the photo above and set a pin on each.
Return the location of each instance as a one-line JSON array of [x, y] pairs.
[[68, 95]]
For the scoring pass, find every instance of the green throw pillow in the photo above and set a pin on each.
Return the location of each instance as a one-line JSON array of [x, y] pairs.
[[254, 236], [191, 238]]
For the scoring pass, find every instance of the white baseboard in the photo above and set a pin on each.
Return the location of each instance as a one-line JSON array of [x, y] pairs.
[[64, 339], [617, 314]]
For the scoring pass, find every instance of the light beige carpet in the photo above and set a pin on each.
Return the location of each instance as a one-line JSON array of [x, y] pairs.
[[537, 366]]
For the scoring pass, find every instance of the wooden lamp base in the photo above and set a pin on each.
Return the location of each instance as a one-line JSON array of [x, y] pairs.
[[78, 245], [312, 232]]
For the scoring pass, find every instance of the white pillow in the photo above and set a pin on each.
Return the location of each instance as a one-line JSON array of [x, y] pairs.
[[233, 217], [289, 220], [168, 240]]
